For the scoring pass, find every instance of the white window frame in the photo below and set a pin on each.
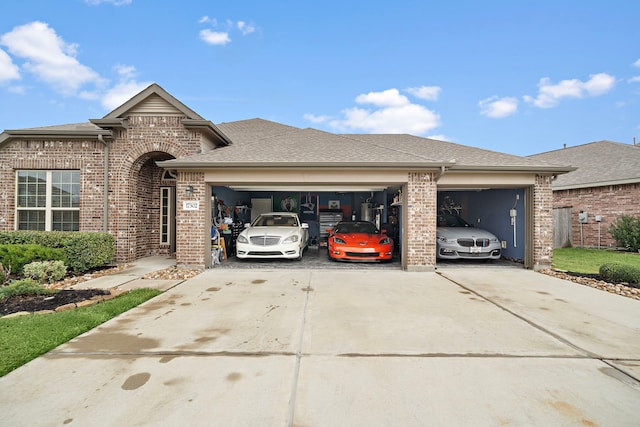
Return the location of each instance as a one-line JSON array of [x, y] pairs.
[[167, 204], [48, 208]]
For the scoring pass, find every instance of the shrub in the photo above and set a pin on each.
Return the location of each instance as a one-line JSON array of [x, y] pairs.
[[4, 274], [45, 271], [82, 250], [24, 287], [626, 231], [15, 257], [616, 273]]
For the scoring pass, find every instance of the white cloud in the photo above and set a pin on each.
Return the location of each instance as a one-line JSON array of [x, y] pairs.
[[113, 2], [387, 98], [393, 113], [48, 57], [214, 37], [637, 63], [221, 36], [316, 119], [125, 71], [245, 28], [498, 108], [8, 70], [549, 94], [634, 79], [121, 93], [428, 93]]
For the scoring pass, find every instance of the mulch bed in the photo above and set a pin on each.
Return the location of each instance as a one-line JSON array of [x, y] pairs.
[[33, 303]]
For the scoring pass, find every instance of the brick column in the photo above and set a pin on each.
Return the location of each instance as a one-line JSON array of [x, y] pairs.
[[419, 215], [542, 223], [193, 236]]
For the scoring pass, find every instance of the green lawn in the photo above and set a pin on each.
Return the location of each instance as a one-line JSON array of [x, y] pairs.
[[26, 337], [581, 260]]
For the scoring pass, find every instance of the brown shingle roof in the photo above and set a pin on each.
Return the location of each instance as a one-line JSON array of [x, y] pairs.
[[599, 163], [261, 142]]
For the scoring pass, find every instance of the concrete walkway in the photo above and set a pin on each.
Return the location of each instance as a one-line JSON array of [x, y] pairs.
[[232, 347]]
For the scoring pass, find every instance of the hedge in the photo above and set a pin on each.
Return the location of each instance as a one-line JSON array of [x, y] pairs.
[[618, 273], [82, 250], [14, 257]]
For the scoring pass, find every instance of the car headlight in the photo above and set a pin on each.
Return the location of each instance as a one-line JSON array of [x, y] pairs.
[[494, 240], [242, 239], [385, 241], [445, 240], [339, 241], [291, 239]]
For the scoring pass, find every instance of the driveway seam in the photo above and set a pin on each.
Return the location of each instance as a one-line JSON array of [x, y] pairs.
[[296, 373], [524, 319]]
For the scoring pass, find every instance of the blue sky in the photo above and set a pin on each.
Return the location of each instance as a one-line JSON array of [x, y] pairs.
[[521, 77]]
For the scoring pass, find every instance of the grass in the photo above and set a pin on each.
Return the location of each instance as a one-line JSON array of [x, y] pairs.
[[588, 261], [24, 338]]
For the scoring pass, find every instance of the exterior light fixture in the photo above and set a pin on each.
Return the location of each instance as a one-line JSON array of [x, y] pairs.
[[189, 191]]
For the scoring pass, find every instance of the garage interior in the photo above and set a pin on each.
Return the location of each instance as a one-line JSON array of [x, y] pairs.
[[498, 210]]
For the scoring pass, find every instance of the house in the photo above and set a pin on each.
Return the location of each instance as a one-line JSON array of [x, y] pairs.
[[155, 174], [588, 200]]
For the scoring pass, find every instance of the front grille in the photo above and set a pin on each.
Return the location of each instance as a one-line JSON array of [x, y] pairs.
[[272, 253], [467, 243], [265, 240], [363, 254]]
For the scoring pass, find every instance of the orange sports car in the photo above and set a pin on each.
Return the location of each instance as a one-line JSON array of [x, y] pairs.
[[359, 241]]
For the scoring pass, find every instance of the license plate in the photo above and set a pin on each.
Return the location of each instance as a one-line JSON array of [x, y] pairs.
[[474, 250], [368, 250]]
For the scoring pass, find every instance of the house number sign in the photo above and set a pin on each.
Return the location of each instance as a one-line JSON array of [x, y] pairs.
[[188, 205]]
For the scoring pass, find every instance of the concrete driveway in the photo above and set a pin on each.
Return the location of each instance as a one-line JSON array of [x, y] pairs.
[[467, 346]]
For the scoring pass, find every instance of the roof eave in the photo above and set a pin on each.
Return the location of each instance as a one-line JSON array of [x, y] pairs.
[[552, 170], [207, 128], [12, 134], [178, 164], [596, 184]]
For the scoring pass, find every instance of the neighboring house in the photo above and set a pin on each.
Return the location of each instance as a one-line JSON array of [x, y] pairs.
[[148, 170], [588, 200]]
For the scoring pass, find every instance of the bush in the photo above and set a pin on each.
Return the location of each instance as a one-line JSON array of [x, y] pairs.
[[82, 250], [24, 287], [15, 257], [45, 271], [616, 273], [4, 274], [626, 231]]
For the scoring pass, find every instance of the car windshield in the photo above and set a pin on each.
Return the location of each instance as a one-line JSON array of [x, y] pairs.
[[276, 221], [450, 220], [356, 227]]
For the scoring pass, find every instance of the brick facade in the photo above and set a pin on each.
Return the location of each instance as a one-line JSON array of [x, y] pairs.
[[134, 179], [420, 219], [610, 202], [542, 222]]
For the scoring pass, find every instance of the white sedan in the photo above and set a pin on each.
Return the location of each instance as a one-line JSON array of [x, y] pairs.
[[273, 235]]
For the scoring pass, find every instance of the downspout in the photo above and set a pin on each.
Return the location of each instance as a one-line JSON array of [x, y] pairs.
[[442, 171], [105, 207]]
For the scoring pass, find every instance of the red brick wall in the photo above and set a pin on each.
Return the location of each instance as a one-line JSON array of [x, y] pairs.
[[134, 179], [542, 222], [193, 226], [420, 219], [610, 202], [85, 156]]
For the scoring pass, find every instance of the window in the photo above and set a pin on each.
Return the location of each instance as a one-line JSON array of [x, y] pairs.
[[48, 200], [166, 214]]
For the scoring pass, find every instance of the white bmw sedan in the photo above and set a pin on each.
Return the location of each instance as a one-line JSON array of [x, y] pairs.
[[273, 235]]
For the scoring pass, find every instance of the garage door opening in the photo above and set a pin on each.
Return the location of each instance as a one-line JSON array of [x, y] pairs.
[[321, 208], [491, 214]]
